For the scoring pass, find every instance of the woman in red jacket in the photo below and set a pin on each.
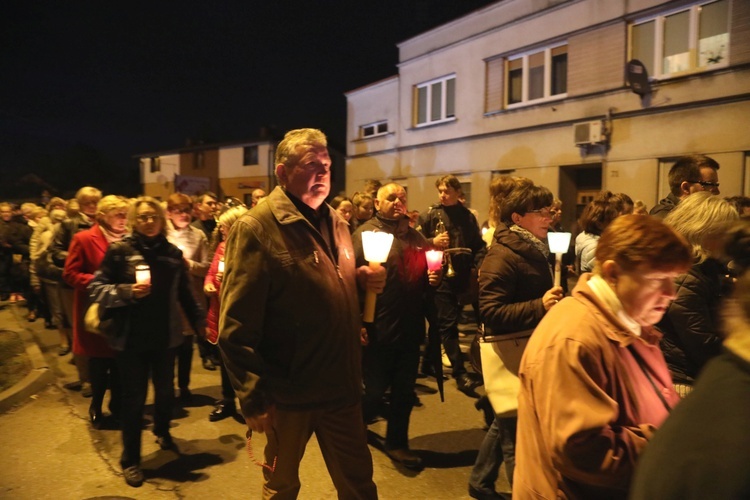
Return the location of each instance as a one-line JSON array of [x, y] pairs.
[[212, 286], [84, 257]]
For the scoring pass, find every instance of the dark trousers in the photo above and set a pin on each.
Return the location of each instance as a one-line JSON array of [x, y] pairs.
[[184, 362], [208, 350], [499, 446], [443, 312], [394, 367], [135, 370], [104, 374], [227, 391]]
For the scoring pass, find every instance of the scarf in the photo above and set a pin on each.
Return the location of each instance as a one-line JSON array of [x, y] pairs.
[[604, 292], [534, 242], [110, 236]]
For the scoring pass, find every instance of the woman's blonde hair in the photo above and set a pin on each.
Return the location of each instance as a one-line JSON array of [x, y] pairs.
[[231, 215], [88, 192], [109, 203], [702, 217]]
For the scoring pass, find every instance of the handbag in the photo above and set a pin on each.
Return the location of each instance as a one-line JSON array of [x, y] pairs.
[[501, 358], [91, 319]]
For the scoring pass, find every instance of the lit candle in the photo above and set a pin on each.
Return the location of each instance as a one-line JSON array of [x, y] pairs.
[[559, 243], [221, 266], [376, 246], [434, 259], [142, 274]]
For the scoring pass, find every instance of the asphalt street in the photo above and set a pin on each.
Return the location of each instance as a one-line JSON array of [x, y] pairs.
[[49, 449]]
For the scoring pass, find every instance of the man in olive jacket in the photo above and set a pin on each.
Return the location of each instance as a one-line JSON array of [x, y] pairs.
[[290, 322]]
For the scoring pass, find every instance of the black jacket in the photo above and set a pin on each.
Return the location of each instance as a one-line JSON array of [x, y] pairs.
[[512, 281], [400, 308], [691, 323]]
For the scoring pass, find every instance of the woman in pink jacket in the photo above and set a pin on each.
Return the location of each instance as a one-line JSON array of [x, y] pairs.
[[212, 287]]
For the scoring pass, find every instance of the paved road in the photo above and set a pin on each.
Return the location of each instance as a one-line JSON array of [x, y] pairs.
[[49, 450]]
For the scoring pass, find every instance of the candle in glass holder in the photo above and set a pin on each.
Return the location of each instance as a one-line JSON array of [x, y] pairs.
[[434, 259], [376, 246], [221, 266], [142, 274]]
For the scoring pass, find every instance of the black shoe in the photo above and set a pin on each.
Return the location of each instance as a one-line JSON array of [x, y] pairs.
[[481, 495], [185, 396], [96, 418], [166, 442], [209, 365], [73, 386], [466, 384], [405, 457], [133, 476], [86, 390], [224, 409]]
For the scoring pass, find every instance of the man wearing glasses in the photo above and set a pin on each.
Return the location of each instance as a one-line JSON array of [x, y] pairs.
[[688, 175]]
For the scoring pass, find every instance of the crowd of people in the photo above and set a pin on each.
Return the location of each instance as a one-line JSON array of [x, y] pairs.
[[273, 294]]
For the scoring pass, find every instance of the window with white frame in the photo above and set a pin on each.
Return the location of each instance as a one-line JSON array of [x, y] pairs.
[[373, 129], [537, 76], [684, 40], [435, 101]]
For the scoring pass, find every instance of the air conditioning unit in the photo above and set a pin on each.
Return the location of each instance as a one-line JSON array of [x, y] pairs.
[[587, 133]]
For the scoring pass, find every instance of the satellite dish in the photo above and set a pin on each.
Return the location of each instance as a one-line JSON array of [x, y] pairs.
[[637, 77]]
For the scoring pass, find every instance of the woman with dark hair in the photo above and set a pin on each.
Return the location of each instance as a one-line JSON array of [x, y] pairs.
[[597, 215], [594, 383], [140, 286], [516, 289], [343, 206]]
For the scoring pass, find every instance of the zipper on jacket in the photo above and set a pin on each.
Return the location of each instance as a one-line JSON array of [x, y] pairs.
[[315, 256]]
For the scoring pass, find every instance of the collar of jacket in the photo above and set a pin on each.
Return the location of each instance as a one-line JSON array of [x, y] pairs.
[[616, 332], [399, 226], [283, 208], [514, 242]]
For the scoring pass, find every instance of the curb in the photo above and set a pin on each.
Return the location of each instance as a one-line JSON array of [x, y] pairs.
[[39, 377]]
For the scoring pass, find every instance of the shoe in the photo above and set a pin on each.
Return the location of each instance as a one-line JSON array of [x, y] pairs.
[[481, 495], [444, 358], [185, 396], [166, 442], [73, 386], [466, 384], [64, 350], [133, 476], [86, 390], [428, 371], [405, 457], [96, 418], [31, 317], [224, 409], [49, 325], [209, 365]]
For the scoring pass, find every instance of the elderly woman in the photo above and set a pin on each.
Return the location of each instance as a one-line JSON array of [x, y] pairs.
[[703, 449], [145, 311], [594, 383], [691, 324], [86, 252], [516, 289], [212, 288], [194, 245]]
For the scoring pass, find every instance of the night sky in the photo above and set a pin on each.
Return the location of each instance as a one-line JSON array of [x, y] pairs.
[[87, 85]]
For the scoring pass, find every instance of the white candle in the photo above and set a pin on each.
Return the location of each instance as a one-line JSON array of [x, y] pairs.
[[221, 266], [142, 274]]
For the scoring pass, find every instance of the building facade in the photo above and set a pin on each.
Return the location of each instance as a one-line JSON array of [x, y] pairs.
[[544, 90]]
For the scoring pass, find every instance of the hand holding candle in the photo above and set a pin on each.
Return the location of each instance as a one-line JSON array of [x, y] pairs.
[[376, 246]]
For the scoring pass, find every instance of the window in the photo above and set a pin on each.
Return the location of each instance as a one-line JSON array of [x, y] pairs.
[[250, 155], [373, 129], [537, 76], [435, 101], [691, 39], [155, 164]]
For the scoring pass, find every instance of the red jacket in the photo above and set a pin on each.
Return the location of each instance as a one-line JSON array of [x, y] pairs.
[[84, 257], [212, 320]]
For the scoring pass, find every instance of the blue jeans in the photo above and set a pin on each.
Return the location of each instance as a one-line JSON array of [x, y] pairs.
[[499, 445]]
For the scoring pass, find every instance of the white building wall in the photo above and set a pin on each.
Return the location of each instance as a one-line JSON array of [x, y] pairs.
[[169, 167], [231, 158]]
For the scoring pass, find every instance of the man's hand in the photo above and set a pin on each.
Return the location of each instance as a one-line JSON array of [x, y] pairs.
[[209, 289], [364, 339], [434, 277], [263, 422], [140, 290], [552, 297], [371, 279], [441, 240]]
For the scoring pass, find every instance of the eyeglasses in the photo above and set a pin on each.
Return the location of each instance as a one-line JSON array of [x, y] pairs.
[[175, 211], [545, 213], [706, 184], [147, 218]]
